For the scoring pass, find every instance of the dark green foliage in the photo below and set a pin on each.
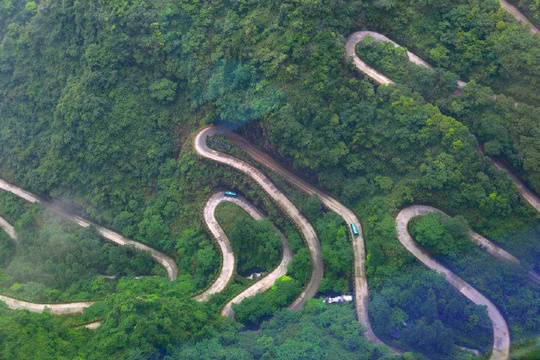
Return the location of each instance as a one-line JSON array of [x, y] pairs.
[[507, 131], [197, 256], [150, 316], [472, 38], [253, 310], [256, 244], [317, 332], [505, 284], [421, 311], [56, 260], [336, 252], [99, 101], [7, 248], [24, 335]]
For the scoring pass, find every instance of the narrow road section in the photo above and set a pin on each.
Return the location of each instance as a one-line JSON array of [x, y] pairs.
[[228, 257], [9, 229], [501, 335], [519, 16], [354, 38], [360, 277], [317, 265], [166, 261], [55, 309], [228, 264]]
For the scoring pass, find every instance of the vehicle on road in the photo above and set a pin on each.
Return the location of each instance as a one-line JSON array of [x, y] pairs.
[[354, 230], [230, 193]]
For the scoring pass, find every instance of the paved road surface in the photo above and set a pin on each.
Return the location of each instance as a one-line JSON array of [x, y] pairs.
[[166, 261], [56, 309], [501, 335], [317, 270], [360, 279]]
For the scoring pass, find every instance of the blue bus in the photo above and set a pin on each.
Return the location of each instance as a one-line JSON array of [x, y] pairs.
[[230, 193], [354, 230]]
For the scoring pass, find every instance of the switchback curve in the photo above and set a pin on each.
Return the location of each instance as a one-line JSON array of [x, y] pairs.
[[501, 334], [360, 277], [228, 264], [317, 265], [350, 51], [56, 309], [76, 307]]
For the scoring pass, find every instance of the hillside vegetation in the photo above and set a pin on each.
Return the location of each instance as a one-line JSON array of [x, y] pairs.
[[98, 104]]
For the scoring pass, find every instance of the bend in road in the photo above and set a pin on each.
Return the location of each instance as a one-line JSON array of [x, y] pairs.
[[501, 334], [167, 262], [317, 265], [228, 264], [354, 38], [266, 282], [360, 277], [56, 309]]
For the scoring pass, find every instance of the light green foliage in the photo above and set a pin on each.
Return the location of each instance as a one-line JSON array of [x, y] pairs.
[[31, 7], [444, 235]]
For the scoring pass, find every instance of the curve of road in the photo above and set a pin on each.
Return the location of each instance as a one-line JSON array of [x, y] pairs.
[[56, 309], [360, 277], [317, 265], [518, 16], [228, 264], [501, 334], [76, 307], [350, 51], [167, 262]]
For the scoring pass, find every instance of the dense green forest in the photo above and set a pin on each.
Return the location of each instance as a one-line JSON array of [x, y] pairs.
[[98, 103]]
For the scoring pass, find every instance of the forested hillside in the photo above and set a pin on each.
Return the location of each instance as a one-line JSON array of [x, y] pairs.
[[99, 102]]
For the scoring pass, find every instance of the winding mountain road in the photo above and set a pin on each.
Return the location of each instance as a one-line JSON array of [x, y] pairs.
[[501, 344], [228, 263], [501, 334], [167, 262], [76, 307], [317, 265], [228, 257], [350, 52], [360, 278]]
